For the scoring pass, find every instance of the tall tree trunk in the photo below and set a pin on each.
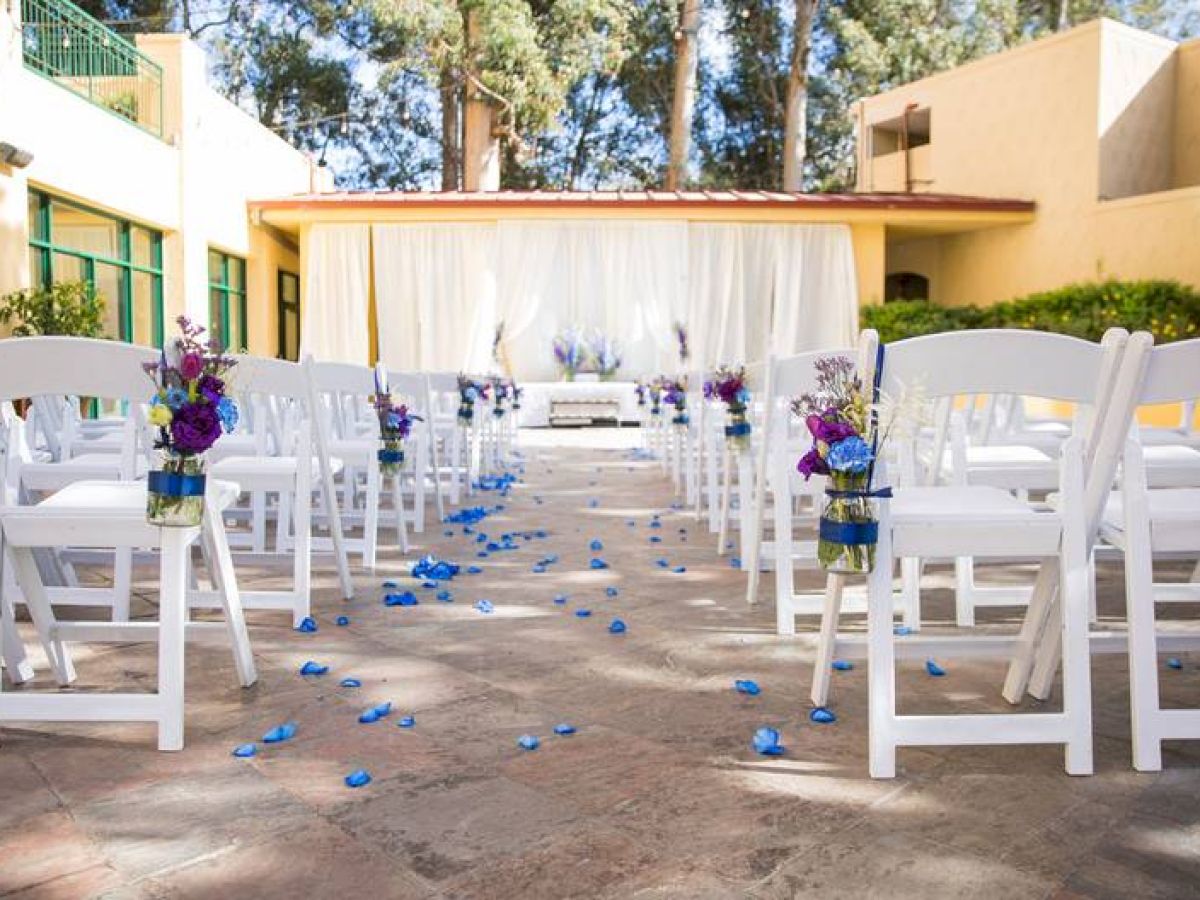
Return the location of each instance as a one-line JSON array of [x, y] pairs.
[[795, 123], [481, 146], [683, 102], [1064, 15], [451, 98]]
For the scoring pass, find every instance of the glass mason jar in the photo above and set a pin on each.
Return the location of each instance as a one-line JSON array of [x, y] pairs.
[[681, 416], [849, 528], [391, 456], [737, 429], [175, 492]]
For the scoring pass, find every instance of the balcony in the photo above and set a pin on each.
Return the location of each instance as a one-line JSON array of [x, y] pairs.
[[67, 46]]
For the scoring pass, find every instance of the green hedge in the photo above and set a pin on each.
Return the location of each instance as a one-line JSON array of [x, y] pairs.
[[1167, 309]]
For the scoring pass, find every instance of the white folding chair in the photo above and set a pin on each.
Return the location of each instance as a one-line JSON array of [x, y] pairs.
[[414, 387], [106, 515], [982, 521]]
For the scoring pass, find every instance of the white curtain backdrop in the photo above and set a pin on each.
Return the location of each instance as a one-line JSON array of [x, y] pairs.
[[337, 282], [435, 295], [441, 289]]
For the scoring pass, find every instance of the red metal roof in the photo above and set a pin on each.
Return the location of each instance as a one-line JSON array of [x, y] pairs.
[[640, 199]]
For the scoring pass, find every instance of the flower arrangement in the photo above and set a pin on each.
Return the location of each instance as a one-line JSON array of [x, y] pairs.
[[640, 389], [728, 385], [517, 391], [469, 390], [570, 352], [190, 410], [674, 393], [500, 393], [606, 356], [681, 337], [655, 390], [846, 429], [395, 425]]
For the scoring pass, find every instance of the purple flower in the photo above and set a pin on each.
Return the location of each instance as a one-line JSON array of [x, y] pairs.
[[191, 365], [828, 429], [195, 428], [811, 464], [212, 387]]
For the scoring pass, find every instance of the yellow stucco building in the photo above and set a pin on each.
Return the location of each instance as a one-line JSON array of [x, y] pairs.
[[1099, 126]]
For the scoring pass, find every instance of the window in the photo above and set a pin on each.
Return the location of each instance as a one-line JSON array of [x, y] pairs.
[[227, 299], [905, 286], [120, 260], [909, 130], [289, 315]]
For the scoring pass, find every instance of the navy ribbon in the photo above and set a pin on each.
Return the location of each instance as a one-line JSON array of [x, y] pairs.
[[850, 533], [681, 419], [883, 493], [391, 456], [737, 429], [171, 484]]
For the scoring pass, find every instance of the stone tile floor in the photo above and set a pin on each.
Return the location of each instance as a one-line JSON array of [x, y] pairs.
[[657, 795]]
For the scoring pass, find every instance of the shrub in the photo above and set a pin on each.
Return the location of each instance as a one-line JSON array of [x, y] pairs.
[[1167, 309], [70, 308]]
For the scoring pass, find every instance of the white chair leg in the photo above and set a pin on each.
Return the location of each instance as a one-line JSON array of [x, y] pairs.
[[964, 590], [823, 666], [370, 536], [419, 495], [216, 546], [881, 668], [1076, 644], [12, 648], [171, 637], [258, 512], [302, 548], [398, 502], [122, 583], [42, 614], [1033, 627], [1143, 653], [910, 592], [745, 502], [726, 494]]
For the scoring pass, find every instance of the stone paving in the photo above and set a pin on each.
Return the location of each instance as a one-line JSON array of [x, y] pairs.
[[657, 795]]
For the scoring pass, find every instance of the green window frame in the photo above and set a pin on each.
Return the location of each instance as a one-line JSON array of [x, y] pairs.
[[51, 259], [288, 308], [227, 299]]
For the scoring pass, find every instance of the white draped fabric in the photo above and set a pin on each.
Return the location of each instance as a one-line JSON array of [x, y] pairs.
[[337, 280], [741, 289]]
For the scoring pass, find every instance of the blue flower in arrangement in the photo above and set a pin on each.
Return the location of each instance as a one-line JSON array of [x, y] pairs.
[[176, 397], [766, 742], [528, 742], [822, 716], [851, 455], [358, 778], [747, 687], [313, 668], [245, 751], [280, 733], [227, 412]]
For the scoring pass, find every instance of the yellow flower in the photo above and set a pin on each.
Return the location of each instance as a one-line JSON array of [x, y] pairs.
[[160, 415]]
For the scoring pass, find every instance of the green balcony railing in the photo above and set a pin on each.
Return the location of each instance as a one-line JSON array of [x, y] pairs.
[[63, 43]]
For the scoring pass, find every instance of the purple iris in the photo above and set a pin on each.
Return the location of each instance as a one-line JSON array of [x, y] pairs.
[[828, 429], [212, 387], [195, 427], [811, 464]]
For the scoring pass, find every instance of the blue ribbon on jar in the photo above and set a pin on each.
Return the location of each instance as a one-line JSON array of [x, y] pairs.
[[172, 484], [737, 429], [852, 533], [391, 456], [680, 419]]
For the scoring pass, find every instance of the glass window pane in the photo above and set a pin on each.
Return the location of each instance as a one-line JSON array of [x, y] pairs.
[[216, 310], [36, 262], [289, 287], [67, 268], [143, 309], [141, 241], [35, 220], [291, 334], [109, 281], [216, 266], [237, 273], [87, 232]]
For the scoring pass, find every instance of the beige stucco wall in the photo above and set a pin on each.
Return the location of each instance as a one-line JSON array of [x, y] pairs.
[[193, 184], [1186, 147], [1102, 110]]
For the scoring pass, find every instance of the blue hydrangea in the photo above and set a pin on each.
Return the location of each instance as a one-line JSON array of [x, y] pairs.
[[227, 412], [176, 397], [850, 455]]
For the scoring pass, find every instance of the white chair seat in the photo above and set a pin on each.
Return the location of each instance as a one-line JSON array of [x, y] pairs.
[[121, 497], [257, 471], [50, 476], [957, 504], [1172, 465], [1007, 455], [1150, 437], [1177, 506], [354, 451]]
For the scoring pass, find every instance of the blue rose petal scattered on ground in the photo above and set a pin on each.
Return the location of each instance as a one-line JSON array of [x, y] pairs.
[[766, 742], [822, 716], [655, 539], [342, 620], [746, 686], [406, 722], [735, 562], [350, 683], [245, 751], [583, 613], [313, 668], [593, 503], [484, 606], [598, 563], [663, 563], [445, 596], [656, 524], [280, 733], [596, 545], [934, 669], [528, 742], [375, 713], [564, 728], [611, 591], [482, 554], [843, 665], [679, 570], [408, 598], [560, 599], [539, 569], [358, 778], [474, 570], [1173, 663], [901, 630], [617, 626], [308, 625]]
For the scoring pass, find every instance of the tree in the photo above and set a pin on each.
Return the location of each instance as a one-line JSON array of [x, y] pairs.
[[795, 126], [683, 100]]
